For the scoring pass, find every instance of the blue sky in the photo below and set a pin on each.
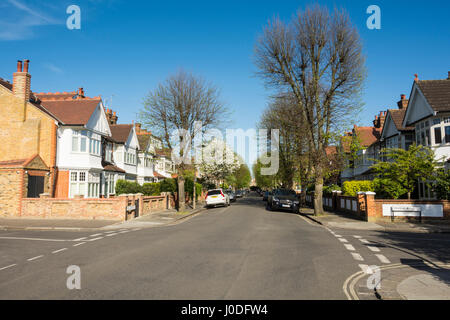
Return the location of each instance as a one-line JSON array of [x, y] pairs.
[[126, 48]]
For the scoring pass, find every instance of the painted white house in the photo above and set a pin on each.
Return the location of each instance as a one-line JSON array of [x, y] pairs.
[[80, 144], [429, 113], [126, 149], [145, 159]]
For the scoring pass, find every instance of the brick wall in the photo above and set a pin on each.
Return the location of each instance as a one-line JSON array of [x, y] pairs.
[[78, 208], [11, 188], [153, 203]]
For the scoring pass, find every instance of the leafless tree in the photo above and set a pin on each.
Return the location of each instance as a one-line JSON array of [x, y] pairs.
[[177, 104], [318, 58]]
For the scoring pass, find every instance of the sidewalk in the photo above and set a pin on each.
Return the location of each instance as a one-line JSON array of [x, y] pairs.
[[410, 281], [347, 221], [157, 218]]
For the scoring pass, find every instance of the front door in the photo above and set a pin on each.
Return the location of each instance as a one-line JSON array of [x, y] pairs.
[[35, 186]]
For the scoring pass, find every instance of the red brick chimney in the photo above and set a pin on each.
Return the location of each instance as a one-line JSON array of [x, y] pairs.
[[137, 127], [403, 103], [22, 81], [416, 77]]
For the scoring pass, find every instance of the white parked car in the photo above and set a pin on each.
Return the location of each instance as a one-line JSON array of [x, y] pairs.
[[217, 197]]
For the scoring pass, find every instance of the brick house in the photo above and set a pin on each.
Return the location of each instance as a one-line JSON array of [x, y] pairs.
[[28, 135]]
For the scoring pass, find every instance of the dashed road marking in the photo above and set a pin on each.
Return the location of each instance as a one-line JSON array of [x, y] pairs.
[[34, 239], [59, 250], [364, 241], [110, 231], [342, 240], [34, 258], [98, 238], [357, 237], [111, 234], [382, 258], [365, 268], [357, 256], [11, 265], [79, 244], [373, 249], [349, 247], [80, 239], [95, 235]]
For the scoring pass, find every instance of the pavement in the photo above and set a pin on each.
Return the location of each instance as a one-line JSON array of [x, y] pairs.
[[239, 252], [156, 218], [346, 221]]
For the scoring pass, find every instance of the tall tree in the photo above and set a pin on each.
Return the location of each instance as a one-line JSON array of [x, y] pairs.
[[318, 58], [176, 105]]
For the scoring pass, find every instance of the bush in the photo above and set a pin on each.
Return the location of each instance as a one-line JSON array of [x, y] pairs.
[[168, 185], [328, 190], [124, 187], [151, 189], [351, 188], [388, 189], [441, 185]]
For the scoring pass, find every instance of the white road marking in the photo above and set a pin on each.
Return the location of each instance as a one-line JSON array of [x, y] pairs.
[[111, 234], [34, 258], [79, 239], [349, 247], [373, 249], [364, 241], [11, 265], [357, 256], [342, 240], [365, 268], [34, 239], [383, 258], [59, 250], [357, 237], [79, 244], [95, 239], [337, 235], [125, 231], [95, 235], [110, 231]]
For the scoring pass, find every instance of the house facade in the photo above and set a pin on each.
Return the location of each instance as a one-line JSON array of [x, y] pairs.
[[429, 113]]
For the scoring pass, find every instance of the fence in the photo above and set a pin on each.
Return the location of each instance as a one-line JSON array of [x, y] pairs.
[[365, 206], [123, 207]]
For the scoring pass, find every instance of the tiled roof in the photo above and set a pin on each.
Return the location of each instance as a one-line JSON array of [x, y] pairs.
[[158, 175], [108, 166], [6, 83], [437, 93], [368, 135], [143, 140], [163, 152], [72, 112], [55, 95], [13, 163], [397, 116], [120, 132]]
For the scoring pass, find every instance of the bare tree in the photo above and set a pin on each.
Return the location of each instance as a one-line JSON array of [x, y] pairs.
[[177, 104], [318, 58]]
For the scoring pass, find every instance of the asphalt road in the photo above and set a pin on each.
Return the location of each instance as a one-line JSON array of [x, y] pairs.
[[238, 252]]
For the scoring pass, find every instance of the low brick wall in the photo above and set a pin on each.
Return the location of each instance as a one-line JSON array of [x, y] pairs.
[[153, 203], [78, 208]]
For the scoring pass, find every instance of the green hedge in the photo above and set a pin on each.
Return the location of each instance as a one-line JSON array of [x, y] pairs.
[[124, 187], [328, 190], [351, 188], [155, 188], [151, 189]]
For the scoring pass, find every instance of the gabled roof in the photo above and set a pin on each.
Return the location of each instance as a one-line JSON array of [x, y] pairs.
[[397, 116], [437, 93], [120, 132], [55, 95], [6, 84], [108, 166], [367, 135], [144, 140], [72, 112]]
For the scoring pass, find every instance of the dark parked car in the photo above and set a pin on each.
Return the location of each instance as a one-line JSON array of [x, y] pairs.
[[283, 199], [231, 194], [239, 194]]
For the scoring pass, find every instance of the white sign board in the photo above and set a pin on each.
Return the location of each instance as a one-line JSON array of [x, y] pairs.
[[413, 210]]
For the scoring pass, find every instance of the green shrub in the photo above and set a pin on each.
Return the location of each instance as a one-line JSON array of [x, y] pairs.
[[151, 189], [328, 190], [388, 189], [124, 187], [168, 185], [351, 188]]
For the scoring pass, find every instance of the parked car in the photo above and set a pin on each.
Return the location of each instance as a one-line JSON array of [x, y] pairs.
[[266, 195], [239, 194], [283, 199], [231, 195], [217, 197]]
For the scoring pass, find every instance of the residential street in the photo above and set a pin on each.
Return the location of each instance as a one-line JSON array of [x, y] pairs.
[[238, 252]]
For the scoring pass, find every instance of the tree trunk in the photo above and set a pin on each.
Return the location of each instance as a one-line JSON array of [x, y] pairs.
[[181, 195], [318, 204], [409, 195]]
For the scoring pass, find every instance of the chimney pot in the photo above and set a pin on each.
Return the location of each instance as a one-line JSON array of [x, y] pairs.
[[448, 76], [416, 77], [402, 97], [19, 66], [25, 65]]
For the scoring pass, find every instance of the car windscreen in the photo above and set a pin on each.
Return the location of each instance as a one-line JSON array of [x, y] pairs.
[[213, 192], [286, 192]]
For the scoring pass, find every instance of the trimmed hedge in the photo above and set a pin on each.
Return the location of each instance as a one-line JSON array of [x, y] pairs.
[[124, 187], [351, 188], [151, 189]]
